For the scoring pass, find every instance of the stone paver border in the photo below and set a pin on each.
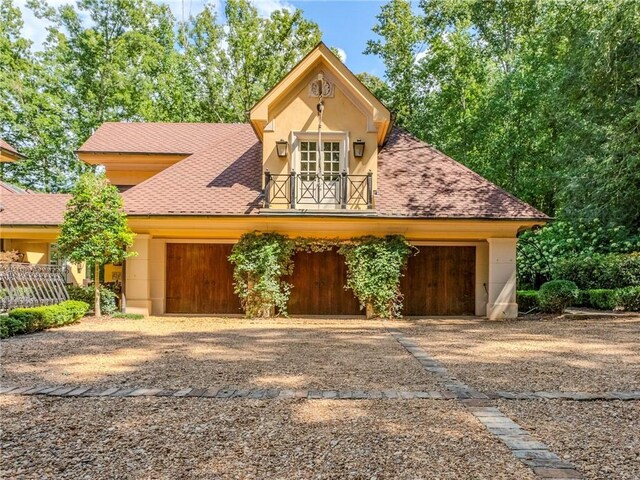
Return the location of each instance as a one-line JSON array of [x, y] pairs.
[[530, 451], [230, 392]]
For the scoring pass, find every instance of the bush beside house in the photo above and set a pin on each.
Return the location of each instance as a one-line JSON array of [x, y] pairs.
[[33, 319], [108, 298], [606, 281], [599, 271], [556, 295], [628, 299]]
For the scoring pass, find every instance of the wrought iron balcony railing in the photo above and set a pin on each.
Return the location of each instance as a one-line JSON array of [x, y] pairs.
[[296, 190]]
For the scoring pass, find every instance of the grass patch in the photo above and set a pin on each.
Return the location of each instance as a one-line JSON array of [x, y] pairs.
[[129, 316]]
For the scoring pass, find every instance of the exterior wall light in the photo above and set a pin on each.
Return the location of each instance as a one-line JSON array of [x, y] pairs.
[[281, 148], [358, 148]]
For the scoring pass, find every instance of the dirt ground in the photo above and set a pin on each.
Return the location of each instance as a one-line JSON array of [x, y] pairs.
[[174, 352], [166, 438], [600, 438], [596, 355]]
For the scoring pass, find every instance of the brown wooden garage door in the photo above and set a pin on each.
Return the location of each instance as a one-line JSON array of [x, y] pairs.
[[200, 279], [440, 281], [318, 285]]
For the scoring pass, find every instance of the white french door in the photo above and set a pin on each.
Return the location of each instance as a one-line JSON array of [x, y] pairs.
[[320, 166]]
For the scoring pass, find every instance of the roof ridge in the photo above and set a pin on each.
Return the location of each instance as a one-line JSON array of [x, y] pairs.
[[175, 123]]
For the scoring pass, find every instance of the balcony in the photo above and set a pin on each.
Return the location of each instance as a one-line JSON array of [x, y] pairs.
[[313, 191]]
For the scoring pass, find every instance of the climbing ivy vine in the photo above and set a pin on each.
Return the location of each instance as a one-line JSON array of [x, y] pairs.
[[375, 265], [261, 260]]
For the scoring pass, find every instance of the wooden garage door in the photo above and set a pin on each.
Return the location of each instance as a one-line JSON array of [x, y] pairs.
[[318, 285], [440, 281], [200, 279]]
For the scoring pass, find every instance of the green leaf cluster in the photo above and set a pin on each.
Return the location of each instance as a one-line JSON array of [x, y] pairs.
[[108, 298], [540, 97], [261, 260], [557, 249], [33, 319], [132, 60], [375, 265], [556, 295], [95, 227]]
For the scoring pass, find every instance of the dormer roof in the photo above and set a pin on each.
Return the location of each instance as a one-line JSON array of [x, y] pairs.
[[321, 57]]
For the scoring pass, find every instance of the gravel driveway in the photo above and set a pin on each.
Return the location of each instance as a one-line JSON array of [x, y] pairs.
[[166, 437], [601, 438], [597, 355], [152, 438], [173, 352]]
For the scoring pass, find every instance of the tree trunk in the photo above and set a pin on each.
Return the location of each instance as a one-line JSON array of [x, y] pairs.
[[96, 287], [369, 310]]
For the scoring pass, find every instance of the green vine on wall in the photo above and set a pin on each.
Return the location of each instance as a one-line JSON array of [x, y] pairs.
[[375, 266], [261, 260]]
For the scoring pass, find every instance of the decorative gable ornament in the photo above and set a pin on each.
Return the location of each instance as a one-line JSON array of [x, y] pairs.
[[328, 89]]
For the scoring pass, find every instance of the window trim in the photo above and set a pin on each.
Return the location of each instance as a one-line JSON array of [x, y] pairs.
[[328, 136]]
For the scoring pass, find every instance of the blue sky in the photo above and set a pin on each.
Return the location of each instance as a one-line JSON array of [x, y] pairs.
[[345, 24]]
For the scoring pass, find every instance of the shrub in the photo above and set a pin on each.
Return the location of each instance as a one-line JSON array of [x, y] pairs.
[[600, 299], [33, 319], [539, 251], [86, 294], [556, 295], [527, 300], [628, 299], [600, 271], [130, 316], [9, 326]]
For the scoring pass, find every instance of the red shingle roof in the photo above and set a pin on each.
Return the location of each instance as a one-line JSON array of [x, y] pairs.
[[222, 178], [415, 179], [32, 209], [5, 146], [9, 188], [168, 138]]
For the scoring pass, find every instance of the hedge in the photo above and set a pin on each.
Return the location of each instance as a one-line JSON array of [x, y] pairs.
[[87, 295], [33, 319], [600, 299], [600, 271], [527, 300], [628, 299]]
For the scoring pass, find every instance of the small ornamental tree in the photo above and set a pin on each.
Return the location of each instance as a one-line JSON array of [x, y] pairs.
[[95, 227]]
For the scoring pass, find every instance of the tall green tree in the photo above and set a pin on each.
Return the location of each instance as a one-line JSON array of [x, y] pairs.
[[95, 227], [237, 62], [31, 111], [540, 97], [402, 40]]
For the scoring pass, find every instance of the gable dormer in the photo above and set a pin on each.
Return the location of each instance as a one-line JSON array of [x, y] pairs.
[[320, 129]]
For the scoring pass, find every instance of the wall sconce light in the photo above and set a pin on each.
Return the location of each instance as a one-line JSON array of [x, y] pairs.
[[358, 148], [281, 148]]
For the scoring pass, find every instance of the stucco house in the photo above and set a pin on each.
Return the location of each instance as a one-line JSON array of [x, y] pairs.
[[320, 157]]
